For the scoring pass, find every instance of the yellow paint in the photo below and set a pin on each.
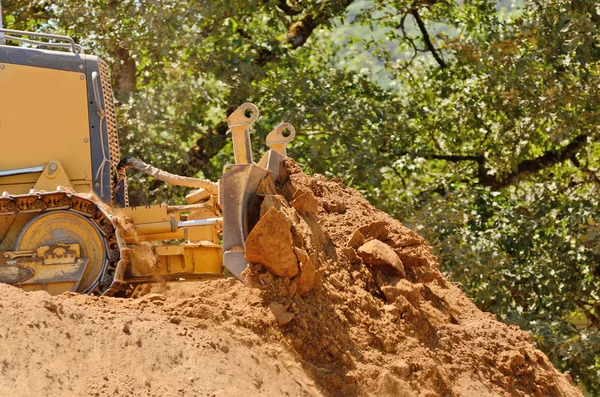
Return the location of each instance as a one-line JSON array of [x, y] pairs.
[[178, 235], [203, 233], [54, 175], [156, 228], [187, 261], [43, 117], [197, 196], [239, 123], [54, 277], [150, 214]]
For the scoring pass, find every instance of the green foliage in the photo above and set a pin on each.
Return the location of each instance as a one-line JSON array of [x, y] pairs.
[[473, 122]]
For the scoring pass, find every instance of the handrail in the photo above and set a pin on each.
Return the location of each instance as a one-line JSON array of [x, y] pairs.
[[70, 42], [22, 171], [2, 40]]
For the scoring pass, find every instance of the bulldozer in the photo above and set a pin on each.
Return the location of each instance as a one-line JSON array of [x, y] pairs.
[[65, 220]]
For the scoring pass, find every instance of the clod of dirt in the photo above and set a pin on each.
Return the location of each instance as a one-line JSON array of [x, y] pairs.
[[270, 244], [381, 257], [281, 315], [307, 278], [306, 202]]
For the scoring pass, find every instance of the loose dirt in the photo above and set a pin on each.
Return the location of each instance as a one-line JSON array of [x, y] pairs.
[[353, 306]]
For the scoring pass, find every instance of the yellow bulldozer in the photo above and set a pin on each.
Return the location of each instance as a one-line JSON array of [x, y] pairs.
[[65, 223]]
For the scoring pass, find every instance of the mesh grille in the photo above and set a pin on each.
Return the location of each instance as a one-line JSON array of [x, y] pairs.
[[111, 125]]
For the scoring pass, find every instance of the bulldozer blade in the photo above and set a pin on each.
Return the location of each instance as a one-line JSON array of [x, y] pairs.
[[240, 183], [271, 161]]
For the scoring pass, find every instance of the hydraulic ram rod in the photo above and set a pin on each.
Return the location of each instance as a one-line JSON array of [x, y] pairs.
[[173, 227]]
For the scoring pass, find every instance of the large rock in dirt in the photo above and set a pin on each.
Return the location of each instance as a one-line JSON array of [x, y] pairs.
[[381, 257], [270, 244]]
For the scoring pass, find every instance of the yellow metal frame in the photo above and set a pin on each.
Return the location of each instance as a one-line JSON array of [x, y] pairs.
[[44, 112]]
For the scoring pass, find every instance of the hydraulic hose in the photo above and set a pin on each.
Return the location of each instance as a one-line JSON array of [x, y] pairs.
[[156, 173]]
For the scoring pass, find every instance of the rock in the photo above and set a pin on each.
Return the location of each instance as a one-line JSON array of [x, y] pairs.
[[297, 343], [390, 292], [272, 201], [375, 230], [280, 313], [270, 244], [51, 306], [292, 288], [350, 254], [306, 202], [411, 291], [392, 309], [335, 206], [356, 240], [381, 257], [401, 368], [306, 281], [337, 284], [267, 185], [154, 297]]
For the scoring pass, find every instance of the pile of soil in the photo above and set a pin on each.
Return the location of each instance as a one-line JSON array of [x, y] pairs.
[[349, 303]]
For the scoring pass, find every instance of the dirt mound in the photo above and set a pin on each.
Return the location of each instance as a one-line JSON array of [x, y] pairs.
[[351, 303], [199, 340], [381, 319]]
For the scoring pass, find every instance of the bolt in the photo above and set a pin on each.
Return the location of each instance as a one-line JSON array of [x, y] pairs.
[[96, 184], [53, 167], [80, 67], [81, 77], [1, 66], [86, 140]]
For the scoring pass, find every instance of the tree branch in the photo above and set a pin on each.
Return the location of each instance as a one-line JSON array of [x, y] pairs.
[[532, 166], [415, 13], [301, 30], [592, 174], [287, 9], [457, 157], [124, 70], [524, 168]]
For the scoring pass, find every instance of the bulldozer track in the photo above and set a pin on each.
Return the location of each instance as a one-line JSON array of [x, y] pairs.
[[84, 204]]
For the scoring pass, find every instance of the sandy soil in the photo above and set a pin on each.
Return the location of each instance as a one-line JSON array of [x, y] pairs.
[[351, 303]]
